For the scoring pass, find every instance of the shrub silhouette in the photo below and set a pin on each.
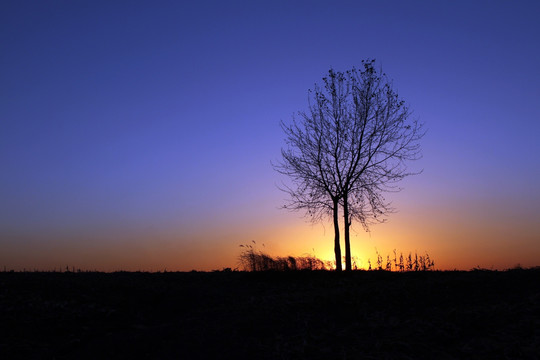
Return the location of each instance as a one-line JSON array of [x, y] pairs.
[[253, 260]]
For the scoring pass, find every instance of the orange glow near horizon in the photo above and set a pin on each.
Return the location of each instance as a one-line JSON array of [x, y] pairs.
[[469, 245], [454, 239]]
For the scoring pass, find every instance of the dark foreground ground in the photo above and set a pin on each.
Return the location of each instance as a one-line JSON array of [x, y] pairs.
[[363, 315]]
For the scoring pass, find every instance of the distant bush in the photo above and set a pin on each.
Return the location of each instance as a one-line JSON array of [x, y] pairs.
[[252, 260]]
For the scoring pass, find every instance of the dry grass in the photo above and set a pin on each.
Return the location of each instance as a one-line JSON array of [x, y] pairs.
[[252, 260]]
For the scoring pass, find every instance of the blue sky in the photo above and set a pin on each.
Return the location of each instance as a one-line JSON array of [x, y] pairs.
[[123, 122]]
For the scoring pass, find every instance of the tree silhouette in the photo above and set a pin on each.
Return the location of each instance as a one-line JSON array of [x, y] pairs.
[[379, 140], [349, 149], [312, 156]]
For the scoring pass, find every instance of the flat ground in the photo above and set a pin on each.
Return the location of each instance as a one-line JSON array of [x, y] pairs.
[[362, 315]]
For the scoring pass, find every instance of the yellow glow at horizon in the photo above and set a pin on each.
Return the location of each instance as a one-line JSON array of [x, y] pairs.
[[452, 239]]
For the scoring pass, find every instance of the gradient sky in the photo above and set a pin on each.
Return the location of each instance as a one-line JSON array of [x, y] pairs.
[[139, 135]]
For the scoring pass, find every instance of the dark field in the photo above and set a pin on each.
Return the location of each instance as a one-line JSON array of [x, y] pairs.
[[363, 315]]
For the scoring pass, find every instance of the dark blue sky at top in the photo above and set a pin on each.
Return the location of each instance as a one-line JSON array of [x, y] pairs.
[[167, 113]]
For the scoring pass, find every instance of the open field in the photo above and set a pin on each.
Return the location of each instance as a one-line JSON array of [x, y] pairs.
[[369, 315]]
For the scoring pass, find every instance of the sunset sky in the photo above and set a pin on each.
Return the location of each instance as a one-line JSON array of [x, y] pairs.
[[139, 135]]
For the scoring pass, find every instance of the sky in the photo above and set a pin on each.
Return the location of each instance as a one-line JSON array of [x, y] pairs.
[[140, 135]]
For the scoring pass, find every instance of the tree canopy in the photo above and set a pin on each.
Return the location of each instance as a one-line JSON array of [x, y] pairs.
[[349, 148]]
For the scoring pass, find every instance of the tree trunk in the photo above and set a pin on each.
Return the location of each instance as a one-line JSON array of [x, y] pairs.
[[337, 246], [347, 222]]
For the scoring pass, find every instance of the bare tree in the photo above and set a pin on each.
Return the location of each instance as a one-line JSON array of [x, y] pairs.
[[379, 140], [311, 159], [349, 149]]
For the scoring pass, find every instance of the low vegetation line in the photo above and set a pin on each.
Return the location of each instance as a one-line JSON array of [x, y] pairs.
[[251, 259]]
